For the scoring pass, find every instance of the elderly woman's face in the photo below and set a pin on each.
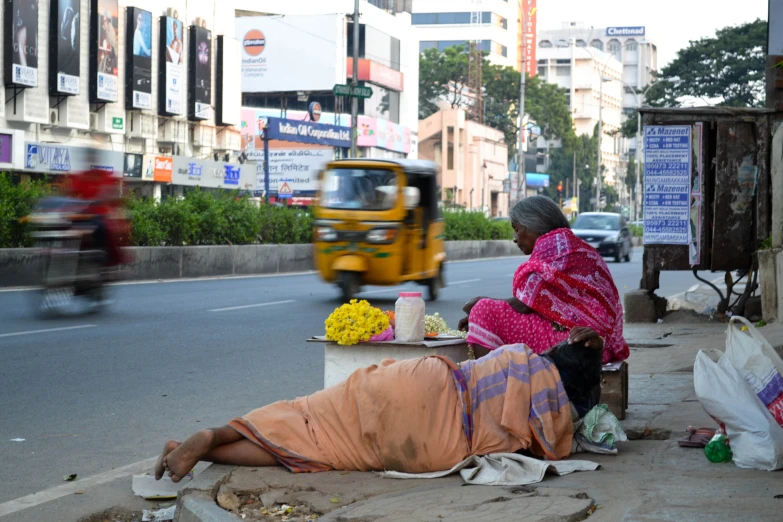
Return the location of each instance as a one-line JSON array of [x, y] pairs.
[[524, 239]]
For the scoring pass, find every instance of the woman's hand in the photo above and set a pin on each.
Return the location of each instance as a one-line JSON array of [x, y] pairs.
[[470, 304], [518, 306], [463, 325], [590, 337]]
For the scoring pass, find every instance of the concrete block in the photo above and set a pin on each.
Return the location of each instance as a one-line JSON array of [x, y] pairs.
[[768, 284], [295, 258], [199, 509], [154, 263], [342, 361], [19, 267], [639, 307], [255, 259], [195, 261], [779, 287]]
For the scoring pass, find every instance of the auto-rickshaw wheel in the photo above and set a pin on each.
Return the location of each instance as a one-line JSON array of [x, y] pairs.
[[434, 285], [350, 284]]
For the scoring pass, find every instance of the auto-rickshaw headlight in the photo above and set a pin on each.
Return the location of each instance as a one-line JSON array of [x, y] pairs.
[[381, 235], [325, 234]]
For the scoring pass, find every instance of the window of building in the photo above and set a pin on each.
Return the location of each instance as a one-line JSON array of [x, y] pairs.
[[614, 47], [542, 62], [628, 90], [581, 43], [542, 72], [485, 17], [597, 44], [563, 61], [563, 70], [423, 46], [631, 45], [545, 44]]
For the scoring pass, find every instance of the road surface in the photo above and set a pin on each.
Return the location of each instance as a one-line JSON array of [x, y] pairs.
[[92, 393]]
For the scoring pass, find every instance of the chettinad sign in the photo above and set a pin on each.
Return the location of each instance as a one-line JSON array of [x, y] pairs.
[[625, 31], [308, 132]]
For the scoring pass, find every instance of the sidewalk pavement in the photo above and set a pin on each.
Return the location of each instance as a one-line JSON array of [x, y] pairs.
[[651, 479]]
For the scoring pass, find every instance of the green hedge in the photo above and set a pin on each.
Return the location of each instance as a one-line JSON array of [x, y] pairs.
[[463, 225], [214, 218]]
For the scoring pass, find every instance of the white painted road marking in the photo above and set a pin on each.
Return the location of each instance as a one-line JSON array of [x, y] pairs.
[[251, 306], [64, 328], [47, 495], [449, 283]]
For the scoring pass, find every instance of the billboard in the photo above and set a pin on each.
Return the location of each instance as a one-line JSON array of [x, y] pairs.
[[21, 43], [267, 53], [625, 31], [133, 166], [104, 49], [62, 159], [214, 174], [530, 18], [199, 73], [170, 76], [308, 132], [228, 96], [65, 47], [138, 58]]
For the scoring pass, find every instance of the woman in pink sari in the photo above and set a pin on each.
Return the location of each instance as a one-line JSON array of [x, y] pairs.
[[565, 284]]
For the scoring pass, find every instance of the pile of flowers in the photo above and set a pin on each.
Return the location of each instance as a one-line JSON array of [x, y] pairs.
[[356, 322], [435, 325]]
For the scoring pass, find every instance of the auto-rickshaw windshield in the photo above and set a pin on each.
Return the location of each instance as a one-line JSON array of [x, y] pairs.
[[359, 189]]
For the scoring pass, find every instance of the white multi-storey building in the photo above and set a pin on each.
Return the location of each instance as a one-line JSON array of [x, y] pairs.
[[494, 23], [592, 81], [629, 45]]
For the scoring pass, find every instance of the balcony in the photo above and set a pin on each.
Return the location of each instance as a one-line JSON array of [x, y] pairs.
[[393, 6]]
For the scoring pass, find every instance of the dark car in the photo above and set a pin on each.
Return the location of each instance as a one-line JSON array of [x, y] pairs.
[[606, 232]]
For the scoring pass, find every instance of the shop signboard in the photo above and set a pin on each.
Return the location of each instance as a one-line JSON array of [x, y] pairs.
[[65, 47], [172, 52], [213, 174], [21, 43], [308, 132], [63, 159], [298, 168], [200, 74], [158, 168], [104, 51], [138, 59]]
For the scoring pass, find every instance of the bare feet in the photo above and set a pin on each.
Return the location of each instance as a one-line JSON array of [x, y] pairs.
[[179, 459], [160, 466]]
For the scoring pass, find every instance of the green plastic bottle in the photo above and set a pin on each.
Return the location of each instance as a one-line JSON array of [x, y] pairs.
[[717, 449]]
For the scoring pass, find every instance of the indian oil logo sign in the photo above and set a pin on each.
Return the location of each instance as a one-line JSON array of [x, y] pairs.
[[254, 42]]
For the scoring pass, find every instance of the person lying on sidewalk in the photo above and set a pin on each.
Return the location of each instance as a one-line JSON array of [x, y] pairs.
[[415, 416], [564, 284]]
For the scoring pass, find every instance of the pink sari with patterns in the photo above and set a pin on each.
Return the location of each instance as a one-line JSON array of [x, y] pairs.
[[566, 283]]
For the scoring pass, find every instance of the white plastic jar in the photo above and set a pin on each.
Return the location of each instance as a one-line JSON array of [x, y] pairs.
[[409, 317]]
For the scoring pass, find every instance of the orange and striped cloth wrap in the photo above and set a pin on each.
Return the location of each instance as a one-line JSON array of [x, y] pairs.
[[420, 415]]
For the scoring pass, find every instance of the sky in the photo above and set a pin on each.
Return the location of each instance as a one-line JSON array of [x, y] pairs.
[[670, 24]]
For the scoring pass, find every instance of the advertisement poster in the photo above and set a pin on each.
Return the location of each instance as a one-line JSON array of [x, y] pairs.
[[694, 249], [267, 54], [214, 174], [228, 95], [531, 35], [667, 184], [105, 57], [133, 165], [21, 43], [158, 168], [138, 59], [200, 74], [172, 54], [65, 47], [298, 168]]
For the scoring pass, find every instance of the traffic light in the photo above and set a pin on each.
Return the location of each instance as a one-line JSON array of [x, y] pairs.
[[560, 189]]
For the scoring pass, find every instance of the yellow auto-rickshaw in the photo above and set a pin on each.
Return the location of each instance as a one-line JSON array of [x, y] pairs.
[[378, 223]]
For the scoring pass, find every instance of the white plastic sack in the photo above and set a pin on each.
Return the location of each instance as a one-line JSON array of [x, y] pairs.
[[756, 438], [758, 363]]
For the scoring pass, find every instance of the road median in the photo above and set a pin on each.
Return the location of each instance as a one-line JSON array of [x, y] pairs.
[[19, 267]]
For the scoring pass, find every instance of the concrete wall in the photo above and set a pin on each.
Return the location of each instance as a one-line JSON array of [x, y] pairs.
[[21, 266]]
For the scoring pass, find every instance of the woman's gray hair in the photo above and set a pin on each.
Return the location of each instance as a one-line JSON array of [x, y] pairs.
[[539, 214]]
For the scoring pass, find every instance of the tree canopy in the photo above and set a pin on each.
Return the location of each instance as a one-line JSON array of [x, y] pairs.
[[443, 76], [728, 67]]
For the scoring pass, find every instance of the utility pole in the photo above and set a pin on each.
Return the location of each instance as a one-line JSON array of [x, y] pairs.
[[355, 80], [639, 156], [600, 133], [574, 193], [521, 177]]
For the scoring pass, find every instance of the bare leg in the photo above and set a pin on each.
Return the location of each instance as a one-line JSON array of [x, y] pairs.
[[220, 445]]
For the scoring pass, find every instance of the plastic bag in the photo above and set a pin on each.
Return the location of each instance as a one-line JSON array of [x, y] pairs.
[[758, 363], [756, 438]]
